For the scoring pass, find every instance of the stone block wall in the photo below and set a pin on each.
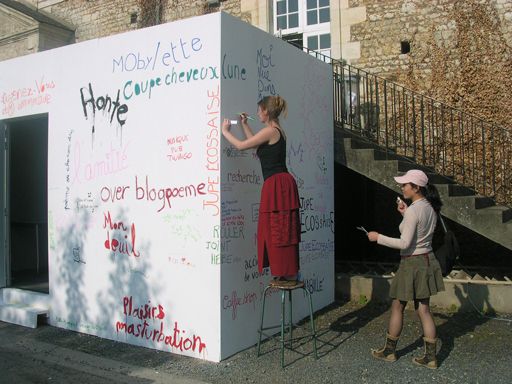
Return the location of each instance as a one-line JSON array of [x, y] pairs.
[[94, 19], [460, 50], [19, 47]]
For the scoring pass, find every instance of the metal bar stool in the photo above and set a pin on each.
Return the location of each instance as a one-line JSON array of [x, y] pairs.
[[286, 286]]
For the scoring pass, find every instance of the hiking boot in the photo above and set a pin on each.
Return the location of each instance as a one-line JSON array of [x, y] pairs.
[[387, 353], [429, 356]]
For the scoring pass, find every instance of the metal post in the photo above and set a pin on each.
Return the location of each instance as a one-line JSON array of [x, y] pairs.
[[423, 159], [414, 138], [386, 116], [484, 156]]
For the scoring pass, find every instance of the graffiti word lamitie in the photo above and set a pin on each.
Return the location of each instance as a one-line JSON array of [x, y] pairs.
[[211, 202], [110, 163], [136, 324], [117, 236]]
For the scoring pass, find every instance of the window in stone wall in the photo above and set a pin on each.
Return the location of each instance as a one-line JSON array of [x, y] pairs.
[[295, 39], [318, 12], [307, 18], [320, 43], [287, 12], [405, 47]]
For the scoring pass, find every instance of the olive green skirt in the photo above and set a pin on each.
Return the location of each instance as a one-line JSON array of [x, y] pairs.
[[417, 277]]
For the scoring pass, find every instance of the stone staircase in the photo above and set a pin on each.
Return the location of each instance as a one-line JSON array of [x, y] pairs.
[[461, 204], [22, 307]]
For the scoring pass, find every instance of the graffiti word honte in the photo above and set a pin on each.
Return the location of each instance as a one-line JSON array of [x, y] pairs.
[[117, 237], [113, 108]]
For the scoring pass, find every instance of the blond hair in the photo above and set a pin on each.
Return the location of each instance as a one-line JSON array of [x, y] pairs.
[[274, 106]]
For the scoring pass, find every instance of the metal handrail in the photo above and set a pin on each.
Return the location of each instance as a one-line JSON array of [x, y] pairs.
[[473, 152]]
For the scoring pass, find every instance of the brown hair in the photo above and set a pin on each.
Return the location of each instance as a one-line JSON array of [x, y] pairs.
[[274, 106]]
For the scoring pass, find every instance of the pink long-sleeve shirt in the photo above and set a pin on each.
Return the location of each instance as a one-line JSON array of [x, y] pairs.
[[416, 230]]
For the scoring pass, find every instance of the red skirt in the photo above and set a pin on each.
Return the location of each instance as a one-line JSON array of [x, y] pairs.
[[279, 226]]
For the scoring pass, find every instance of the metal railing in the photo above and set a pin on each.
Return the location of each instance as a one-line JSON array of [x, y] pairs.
[[473, 152]]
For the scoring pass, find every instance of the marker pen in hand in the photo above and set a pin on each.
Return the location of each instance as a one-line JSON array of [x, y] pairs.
[[247, 116]]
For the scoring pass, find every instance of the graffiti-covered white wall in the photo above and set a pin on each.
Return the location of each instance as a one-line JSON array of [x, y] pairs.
[[255, 64], [151, 214]]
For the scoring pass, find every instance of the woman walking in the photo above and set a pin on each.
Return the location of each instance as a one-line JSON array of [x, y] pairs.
[[278, 222], [419, 274]]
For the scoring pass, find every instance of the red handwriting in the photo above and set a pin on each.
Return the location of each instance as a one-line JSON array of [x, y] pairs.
[[155, 332], [113, 194], [20, 98], [142, 312], [111, 163], [117, 241], [176, 144], [212, 152], [234, 302], [145, 192]]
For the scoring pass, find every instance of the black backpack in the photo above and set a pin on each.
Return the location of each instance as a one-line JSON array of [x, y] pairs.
[[446, 247]]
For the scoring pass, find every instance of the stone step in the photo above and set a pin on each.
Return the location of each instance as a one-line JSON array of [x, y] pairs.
[[436, 178], [461, 204], [383, 155], [484, 202], [21, 314], [21, 296], [504, 213], [459, 190], [23, 307]]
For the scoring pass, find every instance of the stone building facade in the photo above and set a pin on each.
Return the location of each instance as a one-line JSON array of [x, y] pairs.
[[457, 51], [24, 30]]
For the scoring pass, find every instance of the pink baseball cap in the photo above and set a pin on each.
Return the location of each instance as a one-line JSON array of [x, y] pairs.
[[414, 176]]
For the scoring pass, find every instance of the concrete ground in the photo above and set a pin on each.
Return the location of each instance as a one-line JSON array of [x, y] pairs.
[[474, 349]]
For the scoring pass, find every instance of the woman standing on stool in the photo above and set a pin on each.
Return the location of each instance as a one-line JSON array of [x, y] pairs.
[[419, 274], [278, 222]]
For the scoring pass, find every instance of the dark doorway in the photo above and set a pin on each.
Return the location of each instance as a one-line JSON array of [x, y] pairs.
[[27, 202]]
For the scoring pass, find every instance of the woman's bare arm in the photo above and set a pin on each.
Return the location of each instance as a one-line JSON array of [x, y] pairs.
[[245, 126], [263, 136]]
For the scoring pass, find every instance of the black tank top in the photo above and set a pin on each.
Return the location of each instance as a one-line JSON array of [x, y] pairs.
[[273, 157]]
